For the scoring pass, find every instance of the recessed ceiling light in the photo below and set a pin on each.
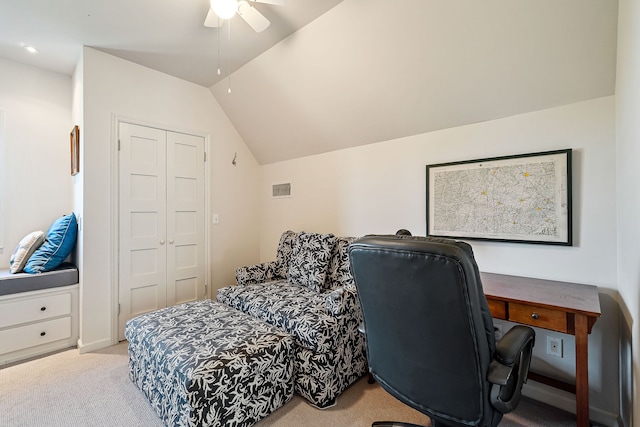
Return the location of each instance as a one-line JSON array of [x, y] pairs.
[[31, 49]]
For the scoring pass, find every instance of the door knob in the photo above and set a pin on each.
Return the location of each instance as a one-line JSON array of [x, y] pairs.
[[162, 242], [171, 241]]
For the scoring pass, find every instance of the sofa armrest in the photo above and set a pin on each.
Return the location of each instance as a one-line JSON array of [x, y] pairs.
[[342, 300], [258, 273]]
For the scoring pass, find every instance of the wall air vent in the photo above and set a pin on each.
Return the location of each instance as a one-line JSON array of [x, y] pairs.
[[281, 190]]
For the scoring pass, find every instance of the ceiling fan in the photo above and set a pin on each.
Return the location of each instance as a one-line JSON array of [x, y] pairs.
[[226, 9]]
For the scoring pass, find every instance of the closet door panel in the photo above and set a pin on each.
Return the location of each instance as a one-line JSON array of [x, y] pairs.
[[185, 218], [143, 221]]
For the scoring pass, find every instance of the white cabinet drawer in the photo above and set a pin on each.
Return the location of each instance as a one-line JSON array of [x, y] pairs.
[[34, 309], [34, 334]]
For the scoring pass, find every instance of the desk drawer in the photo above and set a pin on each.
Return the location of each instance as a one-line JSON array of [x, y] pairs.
[[538, 316], [34, 334], [498, 309]]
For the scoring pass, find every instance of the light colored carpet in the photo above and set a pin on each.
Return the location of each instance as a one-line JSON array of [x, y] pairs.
[[68, 389]]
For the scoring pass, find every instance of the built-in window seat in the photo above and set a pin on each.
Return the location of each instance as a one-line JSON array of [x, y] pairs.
[[65, 275], [38, 312]]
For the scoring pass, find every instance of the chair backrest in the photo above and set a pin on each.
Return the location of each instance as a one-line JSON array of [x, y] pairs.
[[428, 327]]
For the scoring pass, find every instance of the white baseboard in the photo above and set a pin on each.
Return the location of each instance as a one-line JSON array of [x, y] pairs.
[[98, 345], [567, 402]]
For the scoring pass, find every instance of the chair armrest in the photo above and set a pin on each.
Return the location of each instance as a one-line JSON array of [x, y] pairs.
[[258, 273], [512, 343], [508, 352], [510, 367], [341, 300]]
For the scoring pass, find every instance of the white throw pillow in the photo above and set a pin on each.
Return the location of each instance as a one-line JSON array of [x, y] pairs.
[[24, 250]]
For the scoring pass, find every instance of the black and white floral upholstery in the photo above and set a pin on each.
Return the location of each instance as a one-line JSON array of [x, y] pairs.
[[283, 255], [329, 352], [268, 271], [310, 260], [259, 273], [342, 300], [206, 364], [340, 268], [294, 309]]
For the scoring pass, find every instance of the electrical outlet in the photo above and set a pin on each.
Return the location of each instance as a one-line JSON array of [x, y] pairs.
[[554, 346]]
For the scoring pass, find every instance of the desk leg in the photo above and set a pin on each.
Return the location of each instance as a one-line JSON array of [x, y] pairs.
[[582, 371]]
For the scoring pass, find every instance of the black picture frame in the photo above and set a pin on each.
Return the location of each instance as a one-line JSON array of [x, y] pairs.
[[524, 198]]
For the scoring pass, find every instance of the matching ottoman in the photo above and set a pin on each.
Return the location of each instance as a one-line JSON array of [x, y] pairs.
[[205, 364]]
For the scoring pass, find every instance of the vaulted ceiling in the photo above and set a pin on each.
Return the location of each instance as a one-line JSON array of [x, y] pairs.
[[374, 70], [332, 74]]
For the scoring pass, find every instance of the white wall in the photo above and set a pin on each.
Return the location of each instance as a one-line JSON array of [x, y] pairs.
[[36, 168], [628, 201], [115, 87], [380, 188]]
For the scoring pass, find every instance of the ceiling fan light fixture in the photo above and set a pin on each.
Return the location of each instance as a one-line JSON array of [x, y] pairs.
[[225, 9]]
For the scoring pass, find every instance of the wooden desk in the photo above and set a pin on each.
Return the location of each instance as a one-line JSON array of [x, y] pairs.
[[570, 308]]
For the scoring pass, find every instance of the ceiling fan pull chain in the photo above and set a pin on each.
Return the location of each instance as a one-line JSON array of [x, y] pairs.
[[229, 57], [218, 40]]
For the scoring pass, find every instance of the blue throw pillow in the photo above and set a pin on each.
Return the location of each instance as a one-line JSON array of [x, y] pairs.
[[59, 242]]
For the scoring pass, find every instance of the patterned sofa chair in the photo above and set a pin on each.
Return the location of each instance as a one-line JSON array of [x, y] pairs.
[[309, 292]]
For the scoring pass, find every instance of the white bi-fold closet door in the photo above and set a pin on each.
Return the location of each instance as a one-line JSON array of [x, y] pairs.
[[161, 220]]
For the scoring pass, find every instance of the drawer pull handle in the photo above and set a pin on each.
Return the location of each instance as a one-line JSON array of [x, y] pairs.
[[43, 308], [43, 334], [535, 316]]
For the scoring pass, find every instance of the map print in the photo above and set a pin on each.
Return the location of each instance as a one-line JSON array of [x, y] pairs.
[[519, 201]]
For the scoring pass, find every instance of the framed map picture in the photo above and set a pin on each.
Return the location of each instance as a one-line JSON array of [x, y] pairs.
[[524, 198]]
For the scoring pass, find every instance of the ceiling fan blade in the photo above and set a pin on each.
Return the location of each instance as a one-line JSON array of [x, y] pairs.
[[278, 2], [252, 17], [212, 19]]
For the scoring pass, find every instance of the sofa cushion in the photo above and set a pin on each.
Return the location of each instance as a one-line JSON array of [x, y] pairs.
[[310, 260], [294, 309], [16, 283], [339, 273], [283, 255]]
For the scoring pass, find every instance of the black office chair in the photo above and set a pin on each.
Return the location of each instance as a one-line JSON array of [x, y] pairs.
[[430, 336]]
